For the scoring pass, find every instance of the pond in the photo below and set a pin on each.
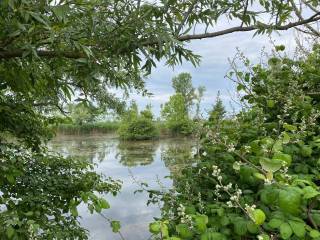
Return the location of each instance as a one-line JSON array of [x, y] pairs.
[[130, 162]]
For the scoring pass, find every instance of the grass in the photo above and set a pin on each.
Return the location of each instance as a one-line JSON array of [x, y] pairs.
[[103, 128], [88, 128]]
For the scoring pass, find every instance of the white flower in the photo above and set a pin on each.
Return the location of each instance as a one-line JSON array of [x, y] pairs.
[[267, 181]]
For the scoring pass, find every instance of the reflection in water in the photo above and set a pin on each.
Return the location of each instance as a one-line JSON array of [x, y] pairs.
[[177, 155], [137, 153], [148, 161]]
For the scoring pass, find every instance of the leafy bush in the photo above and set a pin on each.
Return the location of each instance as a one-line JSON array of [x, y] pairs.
[[139, 129], [138, 126], [259, 174]]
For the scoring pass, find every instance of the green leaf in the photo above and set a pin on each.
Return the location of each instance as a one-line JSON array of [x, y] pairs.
[[201, 222], [306, 151], [309, 192], [259, 176], [298, 228], [115, 225], [10, 231], [275, 223], [286, 138], [38, 17], [277, 147], [155, 227], [60, 11], [74, 211], [240, 227], [224, 220], [29, 213], [212, 236], [289, 127], [190, 209], [258, 216], [282, 157], [270, 165], [240, 87], [10, 178], [314, 233], [285, 231], [270, 103], [252, 227], [15, 33], [290, 200], [184, 231], [164, 230], [269, 195], [104, 204]]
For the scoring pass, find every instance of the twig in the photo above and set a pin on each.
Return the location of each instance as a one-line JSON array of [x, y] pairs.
[[110, 221], [309, 215]]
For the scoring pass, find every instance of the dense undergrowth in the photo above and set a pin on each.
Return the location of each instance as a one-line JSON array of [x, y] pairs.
[[259, 172]]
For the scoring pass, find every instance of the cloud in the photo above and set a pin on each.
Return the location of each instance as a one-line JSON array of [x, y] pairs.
[[214, 65]]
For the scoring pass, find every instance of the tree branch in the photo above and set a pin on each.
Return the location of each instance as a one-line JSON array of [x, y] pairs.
[[314, 18], [310, 6], [299, 15], [18, 53], [8, 54]]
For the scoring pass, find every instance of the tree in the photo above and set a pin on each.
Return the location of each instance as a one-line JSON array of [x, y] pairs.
[[147, 112], [199, 96], [82, 113], [218, 111], [176, 116], [182, 84]]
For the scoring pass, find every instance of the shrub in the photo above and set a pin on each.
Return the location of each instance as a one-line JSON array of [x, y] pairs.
[[259, 173], [138, 126], [139, 129]]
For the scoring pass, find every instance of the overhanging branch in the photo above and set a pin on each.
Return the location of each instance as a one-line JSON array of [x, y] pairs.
[[8, 54], [314, 18]]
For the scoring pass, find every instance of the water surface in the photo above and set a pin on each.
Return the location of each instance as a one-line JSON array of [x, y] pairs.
[[143, 161]]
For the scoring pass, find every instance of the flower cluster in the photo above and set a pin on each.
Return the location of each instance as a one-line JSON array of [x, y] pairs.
[[267, 181], [216, 172], [284, 171], [184, 218], [201, 203], [234, 193], [250, 208]]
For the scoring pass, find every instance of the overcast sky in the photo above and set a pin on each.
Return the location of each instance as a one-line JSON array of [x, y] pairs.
[[213, 67]]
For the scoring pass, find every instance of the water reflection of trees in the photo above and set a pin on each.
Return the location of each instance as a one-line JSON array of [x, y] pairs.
[[90, 149], [178, 153], [141, 153]]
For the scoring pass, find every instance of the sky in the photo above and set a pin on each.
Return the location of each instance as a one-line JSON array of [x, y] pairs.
[[213, 67]]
